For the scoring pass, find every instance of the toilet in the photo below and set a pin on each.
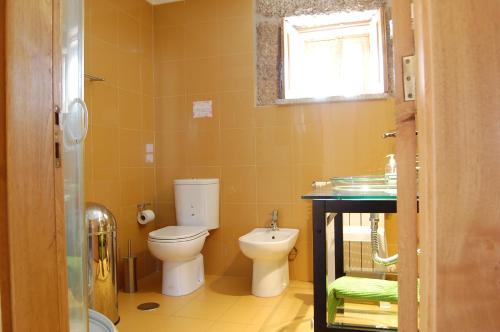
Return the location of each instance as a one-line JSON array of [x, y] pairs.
[[179, 247]]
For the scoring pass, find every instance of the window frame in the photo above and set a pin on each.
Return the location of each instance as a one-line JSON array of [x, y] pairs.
[[288, 29]]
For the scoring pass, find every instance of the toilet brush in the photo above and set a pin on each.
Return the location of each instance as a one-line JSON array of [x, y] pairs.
[[130, 271]]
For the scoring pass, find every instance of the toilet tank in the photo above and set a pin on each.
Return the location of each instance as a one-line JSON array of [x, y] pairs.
[[197, 202]]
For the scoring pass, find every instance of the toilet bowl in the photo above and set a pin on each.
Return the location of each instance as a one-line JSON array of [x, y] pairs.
[[179, 247]]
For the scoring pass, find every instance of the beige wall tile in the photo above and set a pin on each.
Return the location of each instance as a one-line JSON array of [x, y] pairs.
[[129, 71], [213, 253], [200, 11], [274, 145], [266, 116], [148, 113], [308, 147], [235, 72], [106, 173], [235, 36], [133, 8], [203, 40], [236, 220], [103, 61], [169, 43], [239, 184], [170, 78], [131, 186], [146, 13], [171, 113], [302, 219], [131, 148], [104, 20], [312, 114], [105, 146], [165, 215], [204, 148], [172, 149], [205, 172], [274, 184], [129, 33], [104, 108], [107, 193], [130, 109], [236, 109], [147, 76], [149, 185], [201, 75], [238, 146], [231, 8], [165, 177], [147, 41], [169, 14]]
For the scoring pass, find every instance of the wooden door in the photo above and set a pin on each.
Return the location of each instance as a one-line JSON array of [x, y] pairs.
[[33, 284], [406, 150], [458, 46]]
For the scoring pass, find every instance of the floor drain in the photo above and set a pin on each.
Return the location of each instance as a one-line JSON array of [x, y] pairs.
[[148, 306]]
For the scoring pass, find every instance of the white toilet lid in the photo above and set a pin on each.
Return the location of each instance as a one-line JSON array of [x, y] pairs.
[[178, 233]]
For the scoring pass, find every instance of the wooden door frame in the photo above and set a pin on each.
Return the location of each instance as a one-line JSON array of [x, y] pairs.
[[32, 238], [406, 150], [4, 244]]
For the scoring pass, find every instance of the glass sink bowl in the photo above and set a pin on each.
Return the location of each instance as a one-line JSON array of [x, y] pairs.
[[369, 184]]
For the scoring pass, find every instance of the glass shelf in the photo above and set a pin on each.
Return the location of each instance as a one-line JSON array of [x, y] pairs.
[[367, 187]]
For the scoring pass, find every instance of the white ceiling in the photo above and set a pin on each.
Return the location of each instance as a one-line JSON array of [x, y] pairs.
[[159, 2]]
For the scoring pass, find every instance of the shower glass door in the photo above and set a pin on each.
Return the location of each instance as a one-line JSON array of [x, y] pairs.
[[74, 124]]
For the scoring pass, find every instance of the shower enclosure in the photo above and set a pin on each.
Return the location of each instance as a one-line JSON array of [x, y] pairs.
[[74, 122]]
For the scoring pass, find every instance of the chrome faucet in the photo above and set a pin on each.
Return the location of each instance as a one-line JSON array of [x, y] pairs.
[[274, 221]]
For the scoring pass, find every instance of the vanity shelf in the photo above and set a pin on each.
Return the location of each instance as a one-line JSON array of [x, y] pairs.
[[334, 200]]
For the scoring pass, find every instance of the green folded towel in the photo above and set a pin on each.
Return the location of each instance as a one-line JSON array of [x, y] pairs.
[[360, 289]]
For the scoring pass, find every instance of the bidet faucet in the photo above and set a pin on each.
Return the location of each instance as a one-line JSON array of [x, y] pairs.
[[274, 221]]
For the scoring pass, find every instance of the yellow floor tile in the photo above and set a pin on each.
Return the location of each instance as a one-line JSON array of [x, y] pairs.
[[203, 309], [226, 304], [247, 314], [168, 304], [298, 325], [180, 324], [229, 327], [294, 304]]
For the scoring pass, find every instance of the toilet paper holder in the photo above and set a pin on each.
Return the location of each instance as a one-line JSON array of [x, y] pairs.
[[144, 214], [143, 206]]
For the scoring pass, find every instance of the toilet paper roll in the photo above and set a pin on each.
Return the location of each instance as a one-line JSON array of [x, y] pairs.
[[145, 217]]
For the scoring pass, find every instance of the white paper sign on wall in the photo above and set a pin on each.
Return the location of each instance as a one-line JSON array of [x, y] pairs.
[[202, 109]]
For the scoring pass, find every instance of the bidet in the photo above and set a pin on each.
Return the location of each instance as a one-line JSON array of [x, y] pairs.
[[269, 251]]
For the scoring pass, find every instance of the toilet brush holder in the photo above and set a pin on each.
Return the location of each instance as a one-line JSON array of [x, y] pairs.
[[130, 271]]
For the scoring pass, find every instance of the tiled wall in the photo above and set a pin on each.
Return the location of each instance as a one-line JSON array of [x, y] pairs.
[[266, 157], [119, 48]]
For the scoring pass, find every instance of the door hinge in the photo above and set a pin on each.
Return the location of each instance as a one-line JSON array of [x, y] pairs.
[[57, 137], [409, 79]]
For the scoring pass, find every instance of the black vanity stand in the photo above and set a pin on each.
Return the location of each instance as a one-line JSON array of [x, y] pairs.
[[323, 204]]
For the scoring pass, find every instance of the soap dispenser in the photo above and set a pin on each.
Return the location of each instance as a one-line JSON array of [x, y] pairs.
[[391, 169]]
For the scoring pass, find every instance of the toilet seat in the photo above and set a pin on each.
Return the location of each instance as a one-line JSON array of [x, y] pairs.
[[174, 234]]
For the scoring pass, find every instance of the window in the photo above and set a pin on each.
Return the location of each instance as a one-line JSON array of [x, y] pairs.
[[340, 54]]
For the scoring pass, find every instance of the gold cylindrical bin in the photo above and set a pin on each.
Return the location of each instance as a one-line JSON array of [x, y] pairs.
[[102, 248]]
